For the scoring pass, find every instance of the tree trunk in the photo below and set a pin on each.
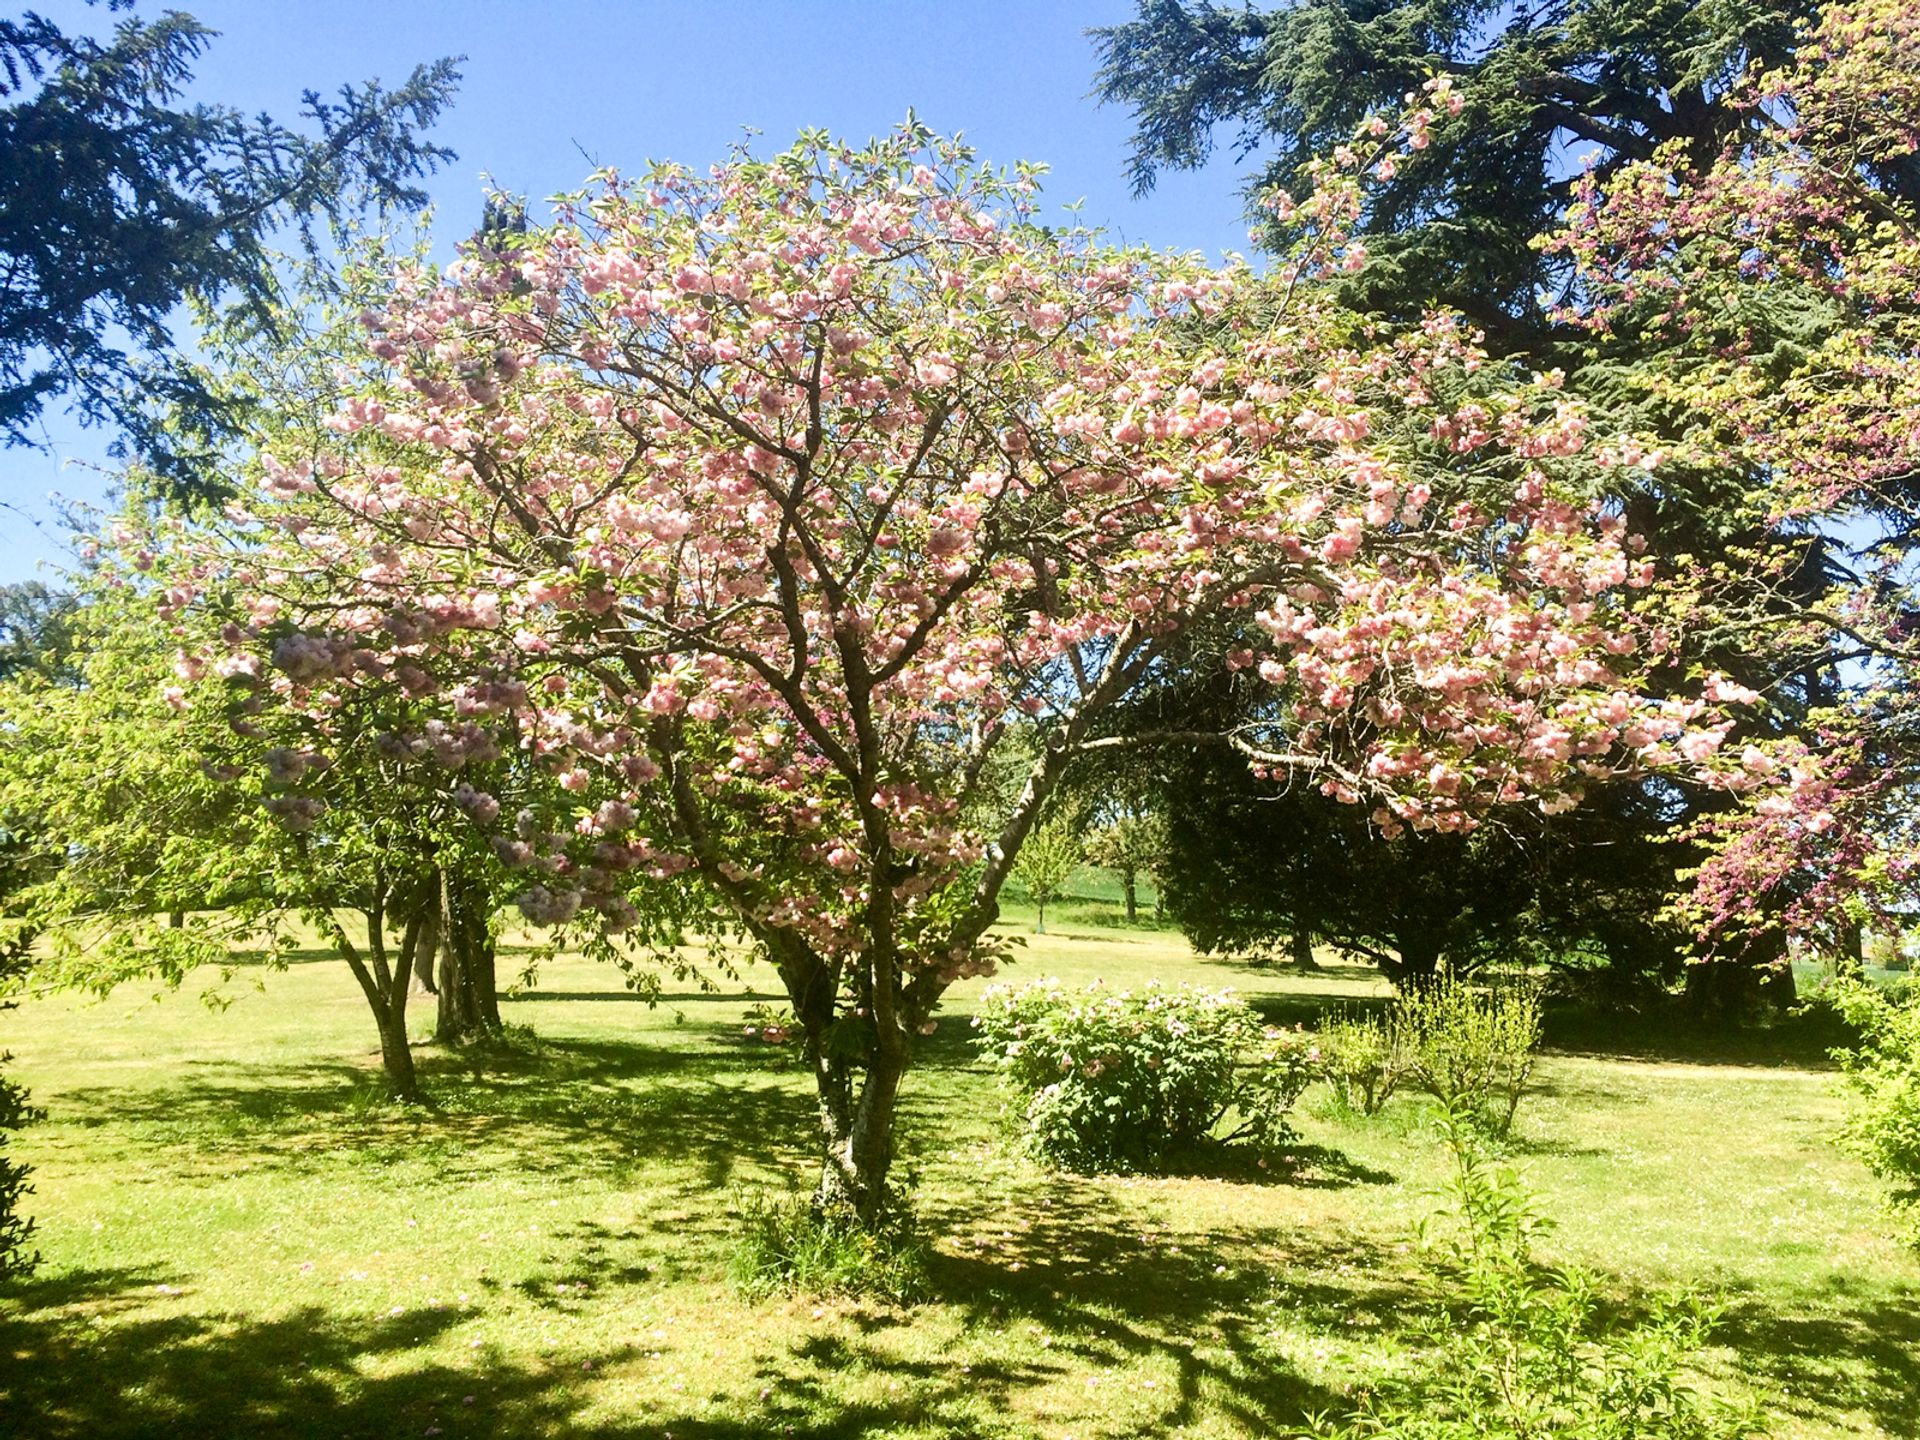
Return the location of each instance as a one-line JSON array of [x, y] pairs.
[[856, 1079], [427, 953], [396, 1052], [487, 983], [1303, 950], [469, 1003], [858, 1135], [1738, 990], [1128, 889], [386, 987], [1418, 962]]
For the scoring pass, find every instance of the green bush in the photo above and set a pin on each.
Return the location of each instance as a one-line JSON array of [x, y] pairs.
[[786, 1243], [1358, 1058], [1883, 1071], [16, 1229], [1516, 1350], [1129, 1080], [1468, 1047]]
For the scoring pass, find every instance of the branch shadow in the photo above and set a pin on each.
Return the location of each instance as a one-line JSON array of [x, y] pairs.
[[1115, 1296], [84, 1354], [1831, 1351], [569, 1105]]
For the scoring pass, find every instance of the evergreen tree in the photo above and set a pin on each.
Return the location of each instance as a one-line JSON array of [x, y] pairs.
[[119, 201]]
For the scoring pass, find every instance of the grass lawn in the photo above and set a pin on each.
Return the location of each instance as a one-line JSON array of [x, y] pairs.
[[240, 1240]]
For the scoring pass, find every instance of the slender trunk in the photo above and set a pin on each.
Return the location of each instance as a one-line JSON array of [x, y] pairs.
[[386, 990], [486, 983], [1129, 889], [469, 1002], [1040, 918], [176, 919], [428, 951], [1850, 950], [396, 1053], [393, 983], [457, 1018]]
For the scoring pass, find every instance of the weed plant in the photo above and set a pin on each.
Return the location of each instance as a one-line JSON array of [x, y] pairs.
[[787, 1244]]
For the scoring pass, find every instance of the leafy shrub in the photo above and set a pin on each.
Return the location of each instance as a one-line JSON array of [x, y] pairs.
[[1883, 1071], [1516, 1350], [1126, 1080], [16, 1229], [786, 1243], [1357, 1056], [1469, 1047]]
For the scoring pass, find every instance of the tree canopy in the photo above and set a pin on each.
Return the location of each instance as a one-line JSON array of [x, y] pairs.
[[1536, 87], [120, 201]]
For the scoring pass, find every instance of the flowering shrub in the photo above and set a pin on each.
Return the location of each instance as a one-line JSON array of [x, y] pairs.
[[1884, 1073], [1126, 1080]]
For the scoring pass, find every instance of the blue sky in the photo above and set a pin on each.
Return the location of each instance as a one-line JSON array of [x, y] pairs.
[[553, 90]]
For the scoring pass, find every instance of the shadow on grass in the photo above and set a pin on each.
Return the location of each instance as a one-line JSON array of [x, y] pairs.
[[564, 1107], [95, 1354], [1113, 1298], [103, 1354], [1838, 1350], [1669, 1031]]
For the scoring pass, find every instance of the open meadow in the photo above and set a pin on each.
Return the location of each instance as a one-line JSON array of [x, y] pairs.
[[242, 1238]]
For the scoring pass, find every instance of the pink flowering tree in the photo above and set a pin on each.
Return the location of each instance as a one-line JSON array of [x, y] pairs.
[[1773, 288], [764, 508]]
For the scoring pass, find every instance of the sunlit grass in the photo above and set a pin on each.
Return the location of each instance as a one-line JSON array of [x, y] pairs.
[[241, 1239]]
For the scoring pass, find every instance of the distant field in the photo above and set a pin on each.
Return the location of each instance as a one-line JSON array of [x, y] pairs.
[[241, 1241]]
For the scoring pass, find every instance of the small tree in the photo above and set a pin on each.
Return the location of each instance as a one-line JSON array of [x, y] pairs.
[[1131, 842], [158, 786], [1514, 1348], [1047, 861], [1473, 1050]]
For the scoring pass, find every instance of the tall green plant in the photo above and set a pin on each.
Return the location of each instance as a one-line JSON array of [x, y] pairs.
[[1358, 1058], [1515, 1349]]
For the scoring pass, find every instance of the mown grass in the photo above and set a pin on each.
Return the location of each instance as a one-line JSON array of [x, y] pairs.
[[240, 1240]]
